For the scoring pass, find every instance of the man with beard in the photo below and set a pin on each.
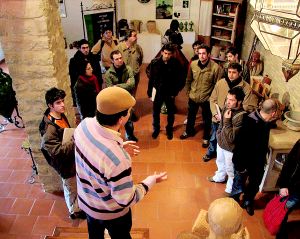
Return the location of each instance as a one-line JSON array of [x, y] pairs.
[[83, 54], [202, 77], [132, 54], [218, 97], [165, 74], [121, 75]]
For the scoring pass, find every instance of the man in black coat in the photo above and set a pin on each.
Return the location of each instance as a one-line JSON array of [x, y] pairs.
[[289, 184], [165, 75], [249, 156], [83, 54]]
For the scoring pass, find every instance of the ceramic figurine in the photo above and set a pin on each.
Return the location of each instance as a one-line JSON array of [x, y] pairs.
[[185, 26], [191, 24], [181, 26]]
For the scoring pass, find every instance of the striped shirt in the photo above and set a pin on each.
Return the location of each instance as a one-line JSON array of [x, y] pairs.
[[104, 182]]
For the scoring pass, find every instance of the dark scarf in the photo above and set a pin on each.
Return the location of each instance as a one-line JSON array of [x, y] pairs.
[[234, 83], [92, 80], [119, 72], [201, 65]]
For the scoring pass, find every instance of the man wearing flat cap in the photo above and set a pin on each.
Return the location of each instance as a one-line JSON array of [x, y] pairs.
[[105, 187]]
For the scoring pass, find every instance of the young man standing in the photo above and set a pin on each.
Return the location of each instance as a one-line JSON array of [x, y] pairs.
[[227, 134], [202, 77], [106, 191], [60, 155], [165, 74], [218, 97], [121, 75]]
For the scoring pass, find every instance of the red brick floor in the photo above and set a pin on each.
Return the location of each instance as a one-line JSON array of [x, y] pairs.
[[171, 207]]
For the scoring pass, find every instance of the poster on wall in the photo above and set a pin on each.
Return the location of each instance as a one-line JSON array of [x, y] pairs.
[[164, 9], [95, 23], [62, 8], [181, 9]]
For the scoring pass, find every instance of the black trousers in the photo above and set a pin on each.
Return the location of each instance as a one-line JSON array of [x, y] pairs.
[[170, 103], [118, 228], [193, 108]]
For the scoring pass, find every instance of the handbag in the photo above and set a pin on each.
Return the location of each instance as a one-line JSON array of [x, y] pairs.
[[274, 213]]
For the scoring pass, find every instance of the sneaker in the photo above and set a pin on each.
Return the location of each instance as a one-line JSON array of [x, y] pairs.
[[155, 134], [163, 109], [205, 143], [185, 135], [78, 215], [207, 157], [132, 138], [211, 179]]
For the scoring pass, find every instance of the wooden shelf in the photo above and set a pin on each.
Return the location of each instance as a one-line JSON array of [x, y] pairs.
[[230, 1], [220, 39], [223, 15], [222, 27]]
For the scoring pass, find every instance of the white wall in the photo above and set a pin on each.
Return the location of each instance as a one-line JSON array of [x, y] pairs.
[[128, 9], [132, 9]]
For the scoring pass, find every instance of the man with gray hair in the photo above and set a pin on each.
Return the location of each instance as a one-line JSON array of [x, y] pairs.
[[249, 156]]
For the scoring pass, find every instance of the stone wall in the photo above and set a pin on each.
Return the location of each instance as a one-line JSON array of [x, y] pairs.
[[32, 40], [272, 66]]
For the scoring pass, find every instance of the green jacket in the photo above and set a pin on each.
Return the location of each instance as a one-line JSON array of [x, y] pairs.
[[127, 81], [201, 82], [132, 56]]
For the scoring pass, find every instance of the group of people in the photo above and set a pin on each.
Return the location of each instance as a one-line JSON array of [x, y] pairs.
[[236, 130]]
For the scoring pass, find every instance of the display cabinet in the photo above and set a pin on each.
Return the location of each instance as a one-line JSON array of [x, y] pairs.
[[227, 27]]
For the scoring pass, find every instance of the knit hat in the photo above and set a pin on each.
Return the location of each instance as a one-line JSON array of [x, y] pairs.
[[113, 100]]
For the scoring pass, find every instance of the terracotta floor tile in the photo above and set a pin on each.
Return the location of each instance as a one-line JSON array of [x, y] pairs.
[[23, 225], [19, 176], [42, 207], [6, 204], [21, 206], [59, 209], [19, 190], [4, 175], [5, 189], [7, 236], [6, 222]]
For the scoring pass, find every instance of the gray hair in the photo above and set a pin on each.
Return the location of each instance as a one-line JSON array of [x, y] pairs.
[[269, 106]]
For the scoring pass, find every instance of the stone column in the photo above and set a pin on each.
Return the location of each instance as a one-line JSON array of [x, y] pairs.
[[32, 39]]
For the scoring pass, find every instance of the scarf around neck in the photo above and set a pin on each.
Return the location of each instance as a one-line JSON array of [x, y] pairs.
[[92, 80]]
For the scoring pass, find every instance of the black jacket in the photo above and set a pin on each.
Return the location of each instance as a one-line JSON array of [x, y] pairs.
[[60, 156], [74, 66], [290, 174], [165, 78], [252, 145], [85, 95]]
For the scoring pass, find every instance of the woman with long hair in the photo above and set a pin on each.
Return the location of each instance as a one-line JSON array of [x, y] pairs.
[[86, 90]]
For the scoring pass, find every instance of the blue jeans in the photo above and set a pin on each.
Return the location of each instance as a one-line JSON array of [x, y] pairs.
[[212, 148], [118, 228], [290, 204]]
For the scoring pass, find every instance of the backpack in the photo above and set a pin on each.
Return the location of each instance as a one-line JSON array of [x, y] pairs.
[[8, 100]]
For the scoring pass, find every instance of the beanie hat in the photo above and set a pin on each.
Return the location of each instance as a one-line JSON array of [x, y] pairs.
[[113, 100]]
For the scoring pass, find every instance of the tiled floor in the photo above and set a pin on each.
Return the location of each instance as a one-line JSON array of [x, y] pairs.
[[171, 207]]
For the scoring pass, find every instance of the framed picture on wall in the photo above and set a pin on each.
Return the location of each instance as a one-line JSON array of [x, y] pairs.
[[62, 8], [164, 9]]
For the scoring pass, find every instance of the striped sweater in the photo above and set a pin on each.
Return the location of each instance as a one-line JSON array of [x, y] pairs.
[[104, 182]]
